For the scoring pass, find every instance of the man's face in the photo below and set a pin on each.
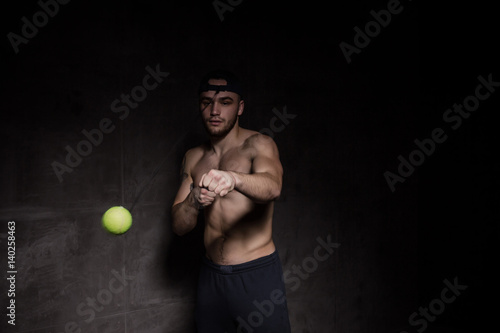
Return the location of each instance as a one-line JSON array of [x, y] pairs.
[[220, 111]]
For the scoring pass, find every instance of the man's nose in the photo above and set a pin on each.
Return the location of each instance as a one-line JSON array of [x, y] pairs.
[[214, 108]]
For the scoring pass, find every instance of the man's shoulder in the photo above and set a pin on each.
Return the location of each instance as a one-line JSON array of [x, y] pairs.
[[258, 140], [195, 153], [195, 150]]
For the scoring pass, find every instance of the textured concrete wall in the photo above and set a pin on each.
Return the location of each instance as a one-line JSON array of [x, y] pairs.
[[351, 120]]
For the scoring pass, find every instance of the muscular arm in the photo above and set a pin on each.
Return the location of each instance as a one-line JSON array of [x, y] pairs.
[[261, 187], [265, 182], [188, 201], [184, 216], [184, 208]]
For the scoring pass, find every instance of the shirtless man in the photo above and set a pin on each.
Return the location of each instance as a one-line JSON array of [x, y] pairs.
[[233, 179]]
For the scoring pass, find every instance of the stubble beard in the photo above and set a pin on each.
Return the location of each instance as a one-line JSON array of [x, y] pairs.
[[217, 132]]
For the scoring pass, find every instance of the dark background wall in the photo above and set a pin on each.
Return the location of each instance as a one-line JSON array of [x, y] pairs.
[[352, 121]]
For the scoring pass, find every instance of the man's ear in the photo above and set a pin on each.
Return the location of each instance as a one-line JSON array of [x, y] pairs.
[[241, 107]]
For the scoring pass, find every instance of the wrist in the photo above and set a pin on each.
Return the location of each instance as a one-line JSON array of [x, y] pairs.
[[235, 178], [193, 201]]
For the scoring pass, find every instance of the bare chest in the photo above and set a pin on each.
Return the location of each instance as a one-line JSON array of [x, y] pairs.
[[234, 160]]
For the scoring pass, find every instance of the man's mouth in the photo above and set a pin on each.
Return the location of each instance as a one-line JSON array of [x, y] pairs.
[[215, 121]]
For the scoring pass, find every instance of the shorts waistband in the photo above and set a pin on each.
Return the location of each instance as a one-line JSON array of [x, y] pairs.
[[239, 268]]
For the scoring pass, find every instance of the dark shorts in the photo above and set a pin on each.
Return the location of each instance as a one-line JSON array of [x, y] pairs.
[[244, 298]]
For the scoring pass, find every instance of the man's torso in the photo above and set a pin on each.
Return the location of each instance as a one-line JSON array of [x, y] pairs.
[[237, 230]]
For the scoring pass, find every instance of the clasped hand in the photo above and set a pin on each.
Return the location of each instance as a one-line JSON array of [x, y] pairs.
[[213, 183]]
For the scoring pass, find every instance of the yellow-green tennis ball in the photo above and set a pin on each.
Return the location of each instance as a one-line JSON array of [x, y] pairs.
[[117, 220]]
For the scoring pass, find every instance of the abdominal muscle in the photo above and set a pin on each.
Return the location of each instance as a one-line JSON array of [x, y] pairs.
[[237, 230]]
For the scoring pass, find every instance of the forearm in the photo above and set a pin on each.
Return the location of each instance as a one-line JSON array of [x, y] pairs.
[[260, 187], [185, 215]]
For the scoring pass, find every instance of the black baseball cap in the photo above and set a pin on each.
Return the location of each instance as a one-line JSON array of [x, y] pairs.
[[233, 83]]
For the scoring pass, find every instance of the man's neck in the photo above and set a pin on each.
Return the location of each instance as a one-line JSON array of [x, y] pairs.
[[220, 145]]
